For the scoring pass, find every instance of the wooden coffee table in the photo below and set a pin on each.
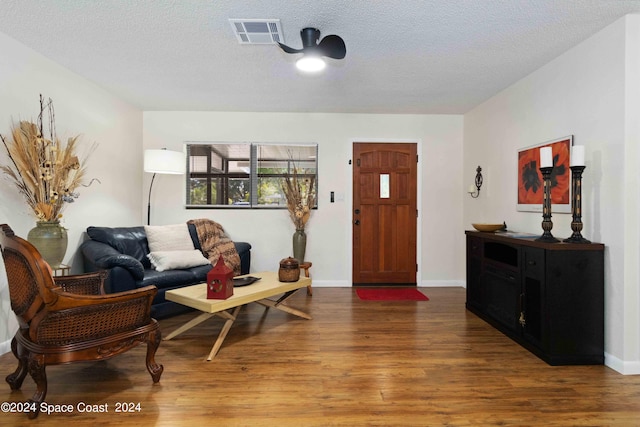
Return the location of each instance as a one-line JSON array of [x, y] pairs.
[[261, 291]]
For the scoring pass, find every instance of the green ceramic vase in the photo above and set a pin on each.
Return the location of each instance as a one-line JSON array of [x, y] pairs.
[[299, 244], [50, 239]]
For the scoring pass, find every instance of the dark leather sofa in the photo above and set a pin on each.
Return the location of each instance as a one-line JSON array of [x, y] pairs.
[[123, 253]]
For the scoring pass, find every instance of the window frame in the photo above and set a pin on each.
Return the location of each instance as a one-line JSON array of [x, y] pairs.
[[253, 175]]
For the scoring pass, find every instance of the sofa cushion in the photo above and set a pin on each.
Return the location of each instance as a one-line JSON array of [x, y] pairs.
[[174, 237], [130, 241], [171, 260]]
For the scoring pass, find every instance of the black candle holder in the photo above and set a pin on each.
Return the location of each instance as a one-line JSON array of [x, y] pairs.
[[576, 206], [547, 225]]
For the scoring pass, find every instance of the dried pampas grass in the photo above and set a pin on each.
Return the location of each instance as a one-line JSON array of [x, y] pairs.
[[301, 197], [46, 171]]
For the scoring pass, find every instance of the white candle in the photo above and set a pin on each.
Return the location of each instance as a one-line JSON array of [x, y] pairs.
[[472, 188], [577, 155], [546, 157]]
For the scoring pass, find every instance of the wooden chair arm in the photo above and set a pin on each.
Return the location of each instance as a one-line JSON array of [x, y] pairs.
[[65, 300], [83, 284]]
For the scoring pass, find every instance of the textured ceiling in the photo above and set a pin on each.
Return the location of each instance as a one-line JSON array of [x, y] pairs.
[[403, 56]]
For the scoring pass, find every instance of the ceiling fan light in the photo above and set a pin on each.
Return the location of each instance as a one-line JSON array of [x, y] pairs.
[[310, 64]]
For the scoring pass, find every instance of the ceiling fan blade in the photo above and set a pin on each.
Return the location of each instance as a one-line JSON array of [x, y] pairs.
[[289, 49], [332, 47]]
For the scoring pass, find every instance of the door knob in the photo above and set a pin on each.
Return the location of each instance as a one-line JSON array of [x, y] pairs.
[[356, 222], [357, 211]]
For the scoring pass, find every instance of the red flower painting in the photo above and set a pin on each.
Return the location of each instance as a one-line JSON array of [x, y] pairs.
[[530, 186]]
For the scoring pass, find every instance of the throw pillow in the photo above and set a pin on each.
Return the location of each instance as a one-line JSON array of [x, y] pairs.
[[168, 237], [172, 260]]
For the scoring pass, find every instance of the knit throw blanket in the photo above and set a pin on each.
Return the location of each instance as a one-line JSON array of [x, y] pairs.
[[215, 242]]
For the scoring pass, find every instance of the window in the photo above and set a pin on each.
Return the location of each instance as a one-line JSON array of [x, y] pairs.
[[244, 175]]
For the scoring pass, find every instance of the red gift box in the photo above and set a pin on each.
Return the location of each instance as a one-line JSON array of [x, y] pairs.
[[220, 281]]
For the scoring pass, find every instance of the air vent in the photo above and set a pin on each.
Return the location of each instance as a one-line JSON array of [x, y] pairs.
[[257, 31]]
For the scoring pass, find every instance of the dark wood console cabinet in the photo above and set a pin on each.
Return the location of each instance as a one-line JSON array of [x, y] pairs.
[[548, 297]]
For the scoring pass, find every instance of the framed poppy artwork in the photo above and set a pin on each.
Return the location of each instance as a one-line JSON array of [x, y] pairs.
[[530, 184]]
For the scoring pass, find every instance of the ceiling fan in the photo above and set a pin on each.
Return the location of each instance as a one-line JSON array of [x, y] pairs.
[[330, 46]]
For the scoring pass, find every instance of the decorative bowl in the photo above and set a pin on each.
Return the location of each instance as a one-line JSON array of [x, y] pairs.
[[488, 227]]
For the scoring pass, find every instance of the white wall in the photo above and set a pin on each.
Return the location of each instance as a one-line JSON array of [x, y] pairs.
[[329, 230], [590, 92], [81, 108]]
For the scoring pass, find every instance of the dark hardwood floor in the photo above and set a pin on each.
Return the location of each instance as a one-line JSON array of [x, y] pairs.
[[357, 363]]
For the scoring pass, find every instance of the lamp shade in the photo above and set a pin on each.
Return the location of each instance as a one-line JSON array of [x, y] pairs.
[[164, 161]]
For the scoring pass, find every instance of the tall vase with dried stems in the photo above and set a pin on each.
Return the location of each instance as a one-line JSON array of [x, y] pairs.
[[47, 173], [299, 190]]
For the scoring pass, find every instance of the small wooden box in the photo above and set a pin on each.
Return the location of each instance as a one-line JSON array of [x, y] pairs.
[[220, 281]]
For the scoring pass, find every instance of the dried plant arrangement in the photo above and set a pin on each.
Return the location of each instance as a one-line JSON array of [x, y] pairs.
[[45, 170], [301, 197]]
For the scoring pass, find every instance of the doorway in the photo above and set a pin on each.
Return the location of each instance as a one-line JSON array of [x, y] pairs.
[[384, 213]]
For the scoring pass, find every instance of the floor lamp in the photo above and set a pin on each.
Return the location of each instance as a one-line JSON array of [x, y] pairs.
[[164, 162]]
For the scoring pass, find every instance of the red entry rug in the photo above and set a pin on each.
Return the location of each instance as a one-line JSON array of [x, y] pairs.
[[391, 294]]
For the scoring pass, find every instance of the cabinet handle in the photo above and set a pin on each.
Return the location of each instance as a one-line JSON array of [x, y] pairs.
[[531, 262], [522, 320]]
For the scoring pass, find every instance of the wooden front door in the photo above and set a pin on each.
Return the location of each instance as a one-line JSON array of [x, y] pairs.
[[384, 213]]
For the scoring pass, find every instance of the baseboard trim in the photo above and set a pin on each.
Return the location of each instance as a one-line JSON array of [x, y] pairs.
[[443, 284], [621, 366], [331, 284], [424, 283], [5, 347]]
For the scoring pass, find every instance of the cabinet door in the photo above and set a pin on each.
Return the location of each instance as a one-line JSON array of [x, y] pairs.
[[533, 289], [575, 304], [502, 296], [474, 273], [532, 314]]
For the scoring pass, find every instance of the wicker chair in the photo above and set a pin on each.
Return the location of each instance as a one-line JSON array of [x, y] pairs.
[[70, 319]]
